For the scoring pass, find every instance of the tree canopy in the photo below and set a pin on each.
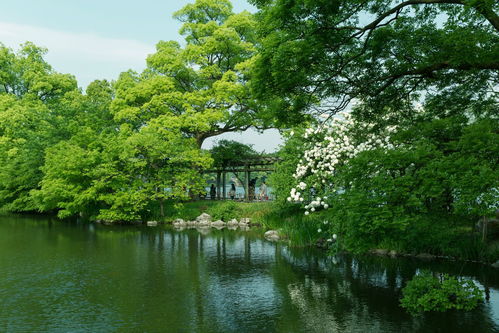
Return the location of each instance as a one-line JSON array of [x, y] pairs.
[[34, 114], [204, 84], [228, 152], [121, 149], [324, 54], [62, 150]]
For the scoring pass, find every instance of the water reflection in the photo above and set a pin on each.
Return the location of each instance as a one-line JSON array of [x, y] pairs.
[[76, 277]]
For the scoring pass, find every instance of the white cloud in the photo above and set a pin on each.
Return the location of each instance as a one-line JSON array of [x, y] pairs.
[[87, 56]]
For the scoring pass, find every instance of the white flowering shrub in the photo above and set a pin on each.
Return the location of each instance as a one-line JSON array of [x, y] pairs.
[[327, 147], [414, 187]]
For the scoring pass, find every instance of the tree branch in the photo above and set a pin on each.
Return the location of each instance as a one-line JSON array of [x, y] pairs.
[[484, 10], [427, 71]]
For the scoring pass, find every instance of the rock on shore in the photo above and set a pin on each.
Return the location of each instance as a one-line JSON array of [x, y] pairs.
[[272, 235], [179, 223], [204, 221]]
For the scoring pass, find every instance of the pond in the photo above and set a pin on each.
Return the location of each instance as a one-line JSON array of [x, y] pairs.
[[70, 277]]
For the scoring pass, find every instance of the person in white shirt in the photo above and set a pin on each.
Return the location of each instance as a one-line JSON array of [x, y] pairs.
[[263, 191]]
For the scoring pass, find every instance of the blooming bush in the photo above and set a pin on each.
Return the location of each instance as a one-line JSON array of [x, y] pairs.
[[416, 187], [326, 148]]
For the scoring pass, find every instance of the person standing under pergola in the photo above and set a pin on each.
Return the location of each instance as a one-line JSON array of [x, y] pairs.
[[263, 191]]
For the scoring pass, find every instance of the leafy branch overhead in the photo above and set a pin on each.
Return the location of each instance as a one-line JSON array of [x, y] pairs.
[[323, 54]]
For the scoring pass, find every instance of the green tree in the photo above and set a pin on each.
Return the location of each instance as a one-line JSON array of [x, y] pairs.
[[204, 82], [227, 152], [388, 54], [24, 134], [31, 119], [290, 154], [115, 175], [168, 164], [421, 188], [26, 74]]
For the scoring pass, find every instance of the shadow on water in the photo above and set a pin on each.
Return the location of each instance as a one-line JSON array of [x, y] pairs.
[[61, 277]]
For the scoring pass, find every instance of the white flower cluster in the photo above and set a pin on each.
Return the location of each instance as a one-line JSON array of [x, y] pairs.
[[329, 146], [318, 202], [330, 240]]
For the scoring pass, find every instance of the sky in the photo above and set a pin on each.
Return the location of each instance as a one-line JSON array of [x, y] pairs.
[[98, 39]]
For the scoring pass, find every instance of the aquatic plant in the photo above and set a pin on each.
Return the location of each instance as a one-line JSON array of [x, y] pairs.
[[427, 292]]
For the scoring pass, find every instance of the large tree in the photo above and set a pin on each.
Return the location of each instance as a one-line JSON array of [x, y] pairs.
[[117, 175], [203, 82], [387, 54], [41, 109], [34, 113]]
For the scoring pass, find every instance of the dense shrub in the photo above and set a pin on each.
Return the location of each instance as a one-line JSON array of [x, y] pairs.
[[426, 292], [225, 211]]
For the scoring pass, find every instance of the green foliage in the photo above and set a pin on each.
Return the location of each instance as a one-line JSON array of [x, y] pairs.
[[386, 54], [426, 292], [227, 152], [26, 74], [426, 194], [423, 195], [300, 230], [282, 179], [203, 85], [33, 116], [225, 211], [428, 188], [474, 168], [116, 175], [109, 153]]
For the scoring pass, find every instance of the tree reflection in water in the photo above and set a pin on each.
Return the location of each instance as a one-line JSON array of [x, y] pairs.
[[61, 275]]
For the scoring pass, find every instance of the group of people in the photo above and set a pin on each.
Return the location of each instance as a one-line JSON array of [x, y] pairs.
[[232, 193]]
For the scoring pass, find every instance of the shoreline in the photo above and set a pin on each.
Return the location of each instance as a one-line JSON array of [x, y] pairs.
[[278, 234]]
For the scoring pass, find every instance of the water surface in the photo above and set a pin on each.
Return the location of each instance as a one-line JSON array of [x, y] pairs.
[[70, 277]]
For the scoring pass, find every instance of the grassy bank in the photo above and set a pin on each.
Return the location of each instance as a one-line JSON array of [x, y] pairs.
[[301, 230], [298, 229]]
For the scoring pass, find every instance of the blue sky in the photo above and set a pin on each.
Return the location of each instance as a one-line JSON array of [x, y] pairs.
[[144, 20], [90, 38], [99, 39]]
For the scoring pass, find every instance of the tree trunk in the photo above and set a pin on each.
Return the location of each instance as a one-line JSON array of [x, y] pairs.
[[200, 137], [162, 207], [485, 221], [199, 141]]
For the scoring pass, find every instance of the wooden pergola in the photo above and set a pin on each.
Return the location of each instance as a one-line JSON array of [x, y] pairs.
[[247, 166]]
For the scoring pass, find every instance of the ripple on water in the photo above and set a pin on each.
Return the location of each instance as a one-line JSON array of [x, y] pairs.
[[61, 277]]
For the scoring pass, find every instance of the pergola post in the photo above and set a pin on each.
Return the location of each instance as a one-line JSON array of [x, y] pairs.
[[246, 181], [245, 167], [224, 190], [218, 185]]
